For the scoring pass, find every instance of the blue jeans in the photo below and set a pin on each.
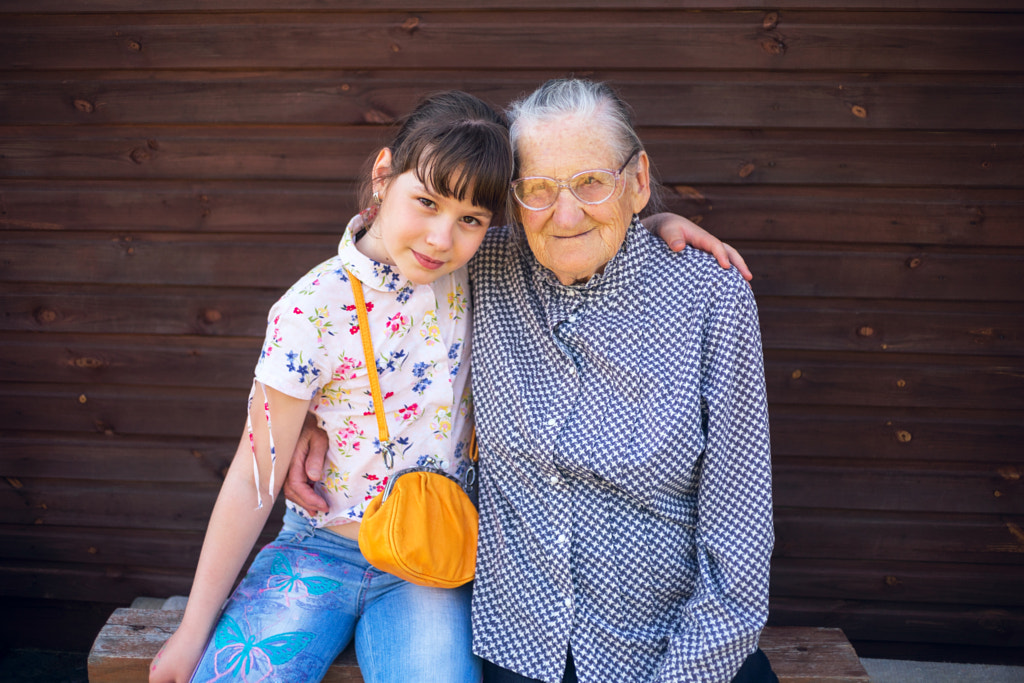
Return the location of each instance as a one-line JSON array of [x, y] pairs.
[[310, 592]]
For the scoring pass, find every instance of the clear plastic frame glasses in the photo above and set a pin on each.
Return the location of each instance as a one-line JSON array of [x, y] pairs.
[[596, 186]]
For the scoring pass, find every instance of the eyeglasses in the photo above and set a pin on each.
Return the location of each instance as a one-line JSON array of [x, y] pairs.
[[597, 186]]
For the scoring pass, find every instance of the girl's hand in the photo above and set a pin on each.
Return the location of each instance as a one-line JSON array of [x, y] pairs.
[[177, 659], [678, 232]]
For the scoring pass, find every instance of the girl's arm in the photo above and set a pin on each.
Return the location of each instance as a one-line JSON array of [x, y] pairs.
[[678, 232], [233, 530]]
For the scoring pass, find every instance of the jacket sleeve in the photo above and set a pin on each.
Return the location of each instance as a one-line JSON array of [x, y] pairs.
[[719, 625]]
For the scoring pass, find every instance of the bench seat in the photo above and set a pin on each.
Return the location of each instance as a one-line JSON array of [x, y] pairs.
[[131, 637]]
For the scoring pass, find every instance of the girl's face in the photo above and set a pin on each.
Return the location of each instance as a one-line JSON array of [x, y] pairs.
[[421, 232]]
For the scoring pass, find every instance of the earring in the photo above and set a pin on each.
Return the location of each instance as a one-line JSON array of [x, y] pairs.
[[376, 198]]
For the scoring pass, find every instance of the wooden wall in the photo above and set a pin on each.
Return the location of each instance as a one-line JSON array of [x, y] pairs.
[[167, 168]]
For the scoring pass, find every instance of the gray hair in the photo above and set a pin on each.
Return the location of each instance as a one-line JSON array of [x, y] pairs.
[[574, 97]]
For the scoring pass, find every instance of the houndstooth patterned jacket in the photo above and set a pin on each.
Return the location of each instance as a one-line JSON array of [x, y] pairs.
[[625, 506]]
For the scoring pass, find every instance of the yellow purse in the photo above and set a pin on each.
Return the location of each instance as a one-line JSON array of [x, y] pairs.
[[423, 526]]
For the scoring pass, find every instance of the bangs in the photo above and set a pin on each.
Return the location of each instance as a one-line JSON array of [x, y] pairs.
[[473, 161]]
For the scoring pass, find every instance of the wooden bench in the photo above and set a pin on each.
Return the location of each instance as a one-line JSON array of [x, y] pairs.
[[131, 637]]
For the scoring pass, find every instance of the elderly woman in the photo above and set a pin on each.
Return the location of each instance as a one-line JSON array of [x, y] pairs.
[[625, 501], [625, 507]]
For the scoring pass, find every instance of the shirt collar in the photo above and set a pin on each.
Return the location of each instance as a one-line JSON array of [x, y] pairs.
[[373, 274]]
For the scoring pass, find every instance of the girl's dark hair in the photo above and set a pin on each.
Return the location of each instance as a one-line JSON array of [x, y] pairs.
[[457, 145]]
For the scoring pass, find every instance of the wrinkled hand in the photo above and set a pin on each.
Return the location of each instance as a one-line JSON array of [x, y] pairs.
[[306, 468], [678, 232]]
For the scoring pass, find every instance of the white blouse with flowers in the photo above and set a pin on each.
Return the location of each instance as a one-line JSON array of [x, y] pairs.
[[313, 350]]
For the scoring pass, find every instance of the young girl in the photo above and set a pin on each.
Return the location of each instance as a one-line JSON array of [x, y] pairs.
[[435, 190]]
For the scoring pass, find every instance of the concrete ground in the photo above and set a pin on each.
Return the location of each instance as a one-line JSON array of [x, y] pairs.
[[898, 671], [49, 666]]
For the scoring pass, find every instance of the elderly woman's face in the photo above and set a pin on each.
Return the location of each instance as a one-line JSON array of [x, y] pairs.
[[572, 239]]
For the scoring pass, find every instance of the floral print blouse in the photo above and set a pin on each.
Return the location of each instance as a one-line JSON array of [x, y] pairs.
[[313, 350]]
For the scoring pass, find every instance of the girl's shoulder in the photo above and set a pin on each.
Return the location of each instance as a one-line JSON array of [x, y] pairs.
[[326, 282]]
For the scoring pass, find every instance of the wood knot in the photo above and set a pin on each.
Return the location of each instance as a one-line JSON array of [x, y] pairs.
[[901, 383], [746, 169], [44, 315], [15, 483], [865, 331], [84, 106], [690, 193], [1009, 473], [134, 45], [410, 25], [82, 399], [378, 116], [211, 315], [913, 262], [88, 362], [859, 111], [139, 155], [797, 374], [903, 436], [773, 46], [770, 21], [892, 581], [153, 144]]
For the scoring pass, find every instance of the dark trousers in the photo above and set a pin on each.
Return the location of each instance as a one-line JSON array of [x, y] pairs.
[[756, 669]]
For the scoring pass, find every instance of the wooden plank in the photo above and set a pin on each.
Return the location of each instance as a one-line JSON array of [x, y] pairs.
[[885, 41], [84, 548], [278, 153], [110, 410], [891, 486], [811, 655], [895, 581], [892, 326], [897, 434], [316, 97], [218, 206], [924, 537], [911, 273], [206, 311], [993, 626], [98, 457], [833, 379], [966, 217], [135, 360], [111, 584], [681, 156], [877, 215], [131, 638], [267, 261], [156, 6], [276, 261], [134, 505]]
